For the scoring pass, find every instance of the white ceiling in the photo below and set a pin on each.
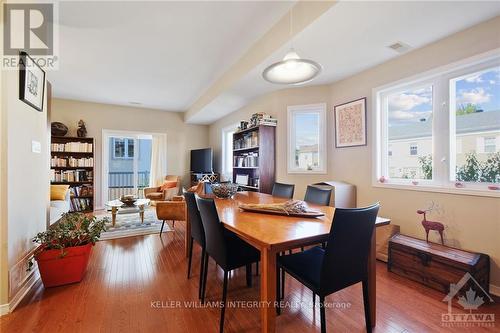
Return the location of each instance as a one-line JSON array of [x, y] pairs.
[[161, 54], [353, 36], [166, 54]]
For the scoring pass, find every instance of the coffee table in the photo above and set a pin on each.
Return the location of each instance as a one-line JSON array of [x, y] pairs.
[[119, 207]]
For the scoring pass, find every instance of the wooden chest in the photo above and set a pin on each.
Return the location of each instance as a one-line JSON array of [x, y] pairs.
[[436, 265]]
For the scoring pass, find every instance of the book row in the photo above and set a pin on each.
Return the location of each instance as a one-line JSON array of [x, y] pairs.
[[74, 147], [71, 162], [70, 175]]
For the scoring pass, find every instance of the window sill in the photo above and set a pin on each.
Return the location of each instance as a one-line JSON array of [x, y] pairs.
[[440, 189]]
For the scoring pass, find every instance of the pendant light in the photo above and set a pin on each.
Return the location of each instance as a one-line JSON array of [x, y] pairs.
[[292, 69]]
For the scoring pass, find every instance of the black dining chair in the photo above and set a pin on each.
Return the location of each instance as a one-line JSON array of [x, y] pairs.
[[283, 190], [342, 263], [197, 234], [318, 196], [228, 250]]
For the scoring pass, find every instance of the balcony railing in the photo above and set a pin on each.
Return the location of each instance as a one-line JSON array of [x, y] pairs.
[[120, 183]]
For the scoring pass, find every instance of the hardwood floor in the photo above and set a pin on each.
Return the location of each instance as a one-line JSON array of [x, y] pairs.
[[139, 284]]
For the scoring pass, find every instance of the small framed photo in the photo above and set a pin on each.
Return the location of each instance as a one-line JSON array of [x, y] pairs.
[[31, 82], [241, 179], [350, 124]]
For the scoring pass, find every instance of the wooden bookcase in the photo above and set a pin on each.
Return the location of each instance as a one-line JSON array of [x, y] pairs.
[[79, 175], [254, 156]]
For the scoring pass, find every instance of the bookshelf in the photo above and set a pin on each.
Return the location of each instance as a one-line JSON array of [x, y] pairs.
[[72, 163], [254, 156]]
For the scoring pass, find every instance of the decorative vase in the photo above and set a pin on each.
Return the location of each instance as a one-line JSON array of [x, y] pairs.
[[58, 129], [57, 270]]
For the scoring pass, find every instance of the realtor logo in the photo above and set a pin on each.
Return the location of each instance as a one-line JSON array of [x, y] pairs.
[[474, 297], [29, 27]]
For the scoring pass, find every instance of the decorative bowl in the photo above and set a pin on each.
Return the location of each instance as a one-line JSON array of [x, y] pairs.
[[128, 199], [224, 190]]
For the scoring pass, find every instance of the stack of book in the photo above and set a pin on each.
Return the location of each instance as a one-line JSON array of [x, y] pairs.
[[71, 176], [73, 147], [71, 162], [80, 204], [261, 118], [81, 191]]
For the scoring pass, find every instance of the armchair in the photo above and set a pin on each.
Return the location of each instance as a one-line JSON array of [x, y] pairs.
[[157, 194], [174, 210]]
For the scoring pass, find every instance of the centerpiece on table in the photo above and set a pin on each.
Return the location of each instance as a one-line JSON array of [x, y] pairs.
[[296, 208], [65, 248], [224, 190]]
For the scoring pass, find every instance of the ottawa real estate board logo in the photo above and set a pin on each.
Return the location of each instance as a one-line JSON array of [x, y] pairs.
[[30, 28], [475, 296]]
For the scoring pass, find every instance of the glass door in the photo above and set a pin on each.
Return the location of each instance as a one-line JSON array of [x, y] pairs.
[[128, 164]]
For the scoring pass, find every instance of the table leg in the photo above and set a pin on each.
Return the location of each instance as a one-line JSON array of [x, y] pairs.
[[113, 215], [141, 213], [372, 280], [268, 290]]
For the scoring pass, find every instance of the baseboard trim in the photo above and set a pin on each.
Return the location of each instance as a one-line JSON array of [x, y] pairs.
[[19, 296], [494, 290]]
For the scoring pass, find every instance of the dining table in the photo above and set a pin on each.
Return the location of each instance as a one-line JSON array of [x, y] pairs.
[[272, 234]]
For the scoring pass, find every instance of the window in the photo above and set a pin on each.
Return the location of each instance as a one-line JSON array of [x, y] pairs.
[[441, 130], [123, 148], [490, 144], [307, 139], [413, 149], [227, 152]]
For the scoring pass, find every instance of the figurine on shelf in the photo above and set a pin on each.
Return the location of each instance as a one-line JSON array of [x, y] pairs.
[[81, 132], [431, 225]]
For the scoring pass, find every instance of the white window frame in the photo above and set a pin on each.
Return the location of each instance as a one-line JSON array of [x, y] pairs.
[[226, 171], [444, 138], [125, 151], [320, 109]]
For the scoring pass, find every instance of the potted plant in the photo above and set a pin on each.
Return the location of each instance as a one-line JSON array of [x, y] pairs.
[[64, 249]]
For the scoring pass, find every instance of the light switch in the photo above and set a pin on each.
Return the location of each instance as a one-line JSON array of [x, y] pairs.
[[36, 147]]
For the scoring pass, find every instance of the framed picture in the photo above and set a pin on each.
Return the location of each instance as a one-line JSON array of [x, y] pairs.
[[242, 179], [31, 82], [350, 124]]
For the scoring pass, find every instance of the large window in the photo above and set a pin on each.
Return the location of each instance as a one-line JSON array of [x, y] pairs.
[[227, 152], [441, 130], [307, 139]]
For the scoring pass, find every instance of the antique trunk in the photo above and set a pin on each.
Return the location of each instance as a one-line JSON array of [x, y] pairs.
[[435, 265]]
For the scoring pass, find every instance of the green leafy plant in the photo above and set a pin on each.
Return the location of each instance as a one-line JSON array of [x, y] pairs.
[[466, 109], [471, 170], [426, 166], [74, 229], [490, 171]]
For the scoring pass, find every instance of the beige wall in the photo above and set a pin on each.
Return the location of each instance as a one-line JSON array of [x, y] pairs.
[[181, 137], [472, 222], [4, 286]]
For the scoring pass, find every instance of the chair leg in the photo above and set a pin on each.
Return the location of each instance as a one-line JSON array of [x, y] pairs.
[[248, 270], [282, 283], [314, 301], [202, 260], [162, 224], [223, 304], [322, 313], [290, 251], [204, 283], [302, 248], [173, 224], [190, 255], [278, 291], [366, 302]]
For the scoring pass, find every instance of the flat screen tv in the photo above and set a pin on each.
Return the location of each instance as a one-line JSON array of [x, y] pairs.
[[201, 160]]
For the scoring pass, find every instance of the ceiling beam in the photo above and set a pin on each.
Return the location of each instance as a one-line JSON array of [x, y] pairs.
[[304, 13]]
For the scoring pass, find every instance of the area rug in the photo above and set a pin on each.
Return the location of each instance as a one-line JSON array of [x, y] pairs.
[[128, 225]]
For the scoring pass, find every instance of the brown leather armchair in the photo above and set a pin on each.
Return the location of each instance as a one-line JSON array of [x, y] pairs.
[[156, 194], [174, 210]]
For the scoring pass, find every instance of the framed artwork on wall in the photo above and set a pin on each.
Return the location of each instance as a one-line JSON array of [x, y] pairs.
[[31, 82], [350, 124]]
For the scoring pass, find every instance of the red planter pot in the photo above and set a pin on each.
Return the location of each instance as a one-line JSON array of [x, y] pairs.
[[57, 271]]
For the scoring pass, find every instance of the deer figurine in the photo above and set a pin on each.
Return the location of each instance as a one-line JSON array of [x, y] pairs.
[[431, 225]]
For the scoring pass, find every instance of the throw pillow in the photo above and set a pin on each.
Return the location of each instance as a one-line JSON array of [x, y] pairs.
[[58, 192], [168, 184]]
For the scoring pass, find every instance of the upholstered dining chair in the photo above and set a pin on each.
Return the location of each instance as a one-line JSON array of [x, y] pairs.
[[318, 196], [173, 210], [197, 233], [341, 264], [228, 250], [283, 190]]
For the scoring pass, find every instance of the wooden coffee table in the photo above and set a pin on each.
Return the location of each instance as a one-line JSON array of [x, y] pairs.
[[118, 206]]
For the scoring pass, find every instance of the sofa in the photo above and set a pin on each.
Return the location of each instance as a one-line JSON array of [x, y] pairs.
[[157, 194], [59, 207]]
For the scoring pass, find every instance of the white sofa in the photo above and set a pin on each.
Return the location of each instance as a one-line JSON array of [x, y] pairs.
[[59, 207]]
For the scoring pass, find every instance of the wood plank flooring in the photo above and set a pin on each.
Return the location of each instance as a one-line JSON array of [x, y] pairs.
[[139, 284]]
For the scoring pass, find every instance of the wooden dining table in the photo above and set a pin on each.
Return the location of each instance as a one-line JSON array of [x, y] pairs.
[[272, 234]]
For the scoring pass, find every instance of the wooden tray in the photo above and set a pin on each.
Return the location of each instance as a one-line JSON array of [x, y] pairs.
[[310, 214]]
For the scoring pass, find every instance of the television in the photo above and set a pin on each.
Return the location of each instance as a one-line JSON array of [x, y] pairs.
[[201, 160]]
